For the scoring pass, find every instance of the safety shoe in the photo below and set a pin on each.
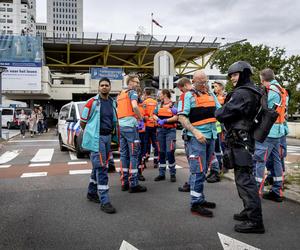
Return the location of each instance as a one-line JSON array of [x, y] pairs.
[[197, 209], [214, 177], [111, 168], [93, 197], [208, 204], [108, 208], [185, 188], [137, 189], [272, 196], [125, 187], [241, 216], [141, 177], [160, 178], [173, 178], [250, 227]]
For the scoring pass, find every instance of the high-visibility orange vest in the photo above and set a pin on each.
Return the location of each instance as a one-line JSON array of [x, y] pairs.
[[204, 112], [281, 109], [165, 112], [124, 108], [221, 99], [149, 106]]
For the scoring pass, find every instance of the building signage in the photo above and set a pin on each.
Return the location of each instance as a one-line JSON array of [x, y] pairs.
[[110, 73]]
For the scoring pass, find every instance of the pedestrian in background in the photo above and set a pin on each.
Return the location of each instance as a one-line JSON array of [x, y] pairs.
[[40, 120], [23, 122], [32, 123]]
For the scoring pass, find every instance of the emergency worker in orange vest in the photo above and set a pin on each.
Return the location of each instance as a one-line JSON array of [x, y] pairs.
[[216, 163], [196, 114], [130, 121], [271, 147], [141, 131], [149, 106], [166, 115]]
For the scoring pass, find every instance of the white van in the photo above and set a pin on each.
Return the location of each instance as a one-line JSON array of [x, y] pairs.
[[10, 116], [69, 132]]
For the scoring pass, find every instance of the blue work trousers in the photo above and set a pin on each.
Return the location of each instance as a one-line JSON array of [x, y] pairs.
[[199, 157], [150, 138], [99, 177], [129, 150], [166, 138], [270, 148]]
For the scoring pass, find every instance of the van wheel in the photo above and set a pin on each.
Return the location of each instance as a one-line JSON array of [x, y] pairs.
[[8, 125], [79, 154], [61, 146]]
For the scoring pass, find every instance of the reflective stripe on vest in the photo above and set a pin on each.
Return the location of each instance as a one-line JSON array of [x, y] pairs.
[[149, 106], [124, 108], [204, 112]]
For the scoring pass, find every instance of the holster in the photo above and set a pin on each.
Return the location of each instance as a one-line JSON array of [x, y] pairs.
[[228, 160]]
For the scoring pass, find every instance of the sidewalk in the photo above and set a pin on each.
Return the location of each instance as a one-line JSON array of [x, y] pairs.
[[9, 133]]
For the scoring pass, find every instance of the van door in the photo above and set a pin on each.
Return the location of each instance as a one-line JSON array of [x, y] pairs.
[[71, 125], [62, 122]]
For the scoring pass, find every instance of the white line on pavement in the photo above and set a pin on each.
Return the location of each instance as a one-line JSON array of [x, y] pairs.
[[127, 246], [43, 155], [297, 154], [291, 151], [33, 141], [39, 165], [36, 174], [83, 171], [73, 156], [5, 166], [77, 162], [8, 156], [229, 243], [287, 162]]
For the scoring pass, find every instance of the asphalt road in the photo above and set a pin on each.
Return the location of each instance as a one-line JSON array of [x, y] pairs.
[[51, 212]]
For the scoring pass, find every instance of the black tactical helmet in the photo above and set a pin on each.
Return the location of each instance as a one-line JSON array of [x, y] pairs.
[[240, 66]]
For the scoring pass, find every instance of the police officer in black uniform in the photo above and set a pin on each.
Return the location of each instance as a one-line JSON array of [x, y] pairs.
[[238, 114]]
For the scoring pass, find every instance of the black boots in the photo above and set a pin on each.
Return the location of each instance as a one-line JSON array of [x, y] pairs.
[[93, 197], [272, 196], [185, 188], [250, 227], [199, 209], [173, 178], [137, 189], [213, 177], [108, 208], [160, 178], [242, 216]]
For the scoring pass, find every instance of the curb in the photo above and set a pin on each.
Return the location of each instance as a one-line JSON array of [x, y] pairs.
[[288, 194]]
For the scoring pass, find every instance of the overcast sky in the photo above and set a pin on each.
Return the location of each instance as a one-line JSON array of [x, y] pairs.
[[272, 22]]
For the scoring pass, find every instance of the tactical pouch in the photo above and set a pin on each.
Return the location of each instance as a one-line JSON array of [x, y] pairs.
[[242, 157], [228, 160]]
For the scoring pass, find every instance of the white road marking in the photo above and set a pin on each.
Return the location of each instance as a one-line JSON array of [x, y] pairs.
[[229, 243], [287, 162], [36, 174], [291, 151], [297, 154], [294, 147], [5, 166], [39, 165], [77, 162], [127, 246], [73, 156], [83, 171], [8, 156], [33, 141], [43, 155]]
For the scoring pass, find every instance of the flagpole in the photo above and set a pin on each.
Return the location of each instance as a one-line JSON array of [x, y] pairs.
[[151, 24]]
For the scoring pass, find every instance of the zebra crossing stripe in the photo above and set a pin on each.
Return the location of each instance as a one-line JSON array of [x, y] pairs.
[[73, 156], [36, 174], [39, 165], [77, 162], [5, 166], [43, 155], [83, 171], [8, 156]]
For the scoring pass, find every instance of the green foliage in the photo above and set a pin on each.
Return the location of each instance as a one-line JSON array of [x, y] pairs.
[[261, 57]]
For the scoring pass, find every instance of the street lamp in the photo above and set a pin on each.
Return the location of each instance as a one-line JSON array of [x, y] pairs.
[[2, 69]]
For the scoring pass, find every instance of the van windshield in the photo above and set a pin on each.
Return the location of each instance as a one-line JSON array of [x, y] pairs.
[[7, 112], [27, 111]]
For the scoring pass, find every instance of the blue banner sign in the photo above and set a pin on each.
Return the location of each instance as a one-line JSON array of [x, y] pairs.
[[110, 73]]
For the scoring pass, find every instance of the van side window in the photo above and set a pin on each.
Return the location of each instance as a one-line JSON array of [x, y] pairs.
[[73, 112], [64, 113], [7, 112]]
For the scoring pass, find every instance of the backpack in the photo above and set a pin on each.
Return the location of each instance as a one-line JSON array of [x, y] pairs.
[[265, 117]]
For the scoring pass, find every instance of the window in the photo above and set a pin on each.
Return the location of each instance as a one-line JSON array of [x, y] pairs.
[[23, 11], [64, 113], [2, 20], [22, 21], [2, 9], [11, 21], [7, 112], [9, 9], [73, 112]]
